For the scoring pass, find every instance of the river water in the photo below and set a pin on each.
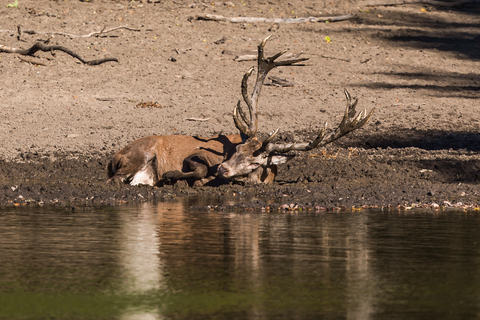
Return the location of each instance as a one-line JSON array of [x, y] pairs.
[[162, 261]]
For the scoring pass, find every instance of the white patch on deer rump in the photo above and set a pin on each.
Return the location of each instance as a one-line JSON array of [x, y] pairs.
[[144, 176]]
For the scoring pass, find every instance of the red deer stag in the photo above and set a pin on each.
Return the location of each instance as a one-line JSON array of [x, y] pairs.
[[253, 157], [157, 160]]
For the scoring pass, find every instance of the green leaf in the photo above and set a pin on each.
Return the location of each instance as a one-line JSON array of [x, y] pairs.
[[13, 5]]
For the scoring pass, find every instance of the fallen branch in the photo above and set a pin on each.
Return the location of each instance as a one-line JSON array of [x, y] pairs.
[[373, 3], [38, 46], [197, 119], [279, 82], [91, 34], [336, 58], [32, 61], [246, 57], [152, 104], [212, 17]]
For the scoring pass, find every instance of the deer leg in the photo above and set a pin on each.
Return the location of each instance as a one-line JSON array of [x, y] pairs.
[[198, 170]]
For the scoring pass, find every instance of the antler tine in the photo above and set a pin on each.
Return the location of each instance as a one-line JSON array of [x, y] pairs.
[[348, 124], [262, 46], [316, 142], [245, 126], [242, 113], [270, 138], [246, 98], [294, 61], [275, 57], [239, 124], [364, 119]]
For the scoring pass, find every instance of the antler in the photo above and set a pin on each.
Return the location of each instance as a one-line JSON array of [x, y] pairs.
[[249, 125], [350, 122]]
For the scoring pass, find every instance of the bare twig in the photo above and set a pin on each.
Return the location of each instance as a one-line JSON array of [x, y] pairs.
[[152, 104], [38, 46], [279, 82], [32, 61], [373, 3], [246, 57], [336, 58], [212, 17], [197, 119]]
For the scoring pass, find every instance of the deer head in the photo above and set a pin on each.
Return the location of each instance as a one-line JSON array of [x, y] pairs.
[[254, 155]]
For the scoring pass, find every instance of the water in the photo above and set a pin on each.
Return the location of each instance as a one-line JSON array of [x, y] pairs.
[[160, 261]]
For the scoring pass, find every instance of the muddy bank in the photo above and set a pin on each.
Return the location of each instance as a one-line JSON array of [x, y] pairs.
[[333, 178]]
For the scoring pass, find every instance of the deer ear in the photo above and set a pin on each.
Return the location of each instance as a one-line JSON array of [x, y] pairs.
[[280, 158]]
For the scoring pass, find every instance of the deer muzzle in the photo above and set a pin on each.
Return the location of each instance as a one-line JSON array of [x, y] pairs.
[[223, 171]]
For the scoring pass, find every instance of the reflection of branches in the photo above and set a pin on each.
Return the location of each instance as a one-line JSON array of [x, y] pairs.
[[273, 20], [42, 47], [430, 2]]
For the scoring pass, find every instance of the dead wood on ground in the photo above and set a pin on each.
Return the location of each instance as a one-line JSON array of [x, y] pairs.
[[39, 46], [32, 61], [279, 82], [20, 31], [213, 17]]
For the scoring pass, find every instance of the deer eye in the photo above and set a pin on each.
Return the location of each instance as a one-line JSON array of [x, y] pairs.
[[259, 153]]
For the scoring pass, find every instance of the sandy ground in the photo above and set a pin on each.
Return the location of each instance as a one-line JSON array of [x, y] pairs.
[[417, 65]]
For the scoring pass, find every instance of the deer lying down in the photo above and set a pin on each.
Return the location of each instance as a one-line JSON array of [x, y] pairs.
[[158, 160]]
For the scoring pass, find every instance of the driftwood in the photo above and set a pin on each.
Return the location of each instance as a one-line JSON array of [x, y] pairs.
[[39, 46], [373, 3], [212, 17]]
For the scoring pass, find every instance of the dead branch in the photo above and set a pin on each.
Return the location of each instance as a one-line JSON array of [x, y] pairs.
[[38, 46], [197, 119], [91, 34], [32, 61], [212, 17], [336, 58], [246, 57], [279, 82], [373, 3]]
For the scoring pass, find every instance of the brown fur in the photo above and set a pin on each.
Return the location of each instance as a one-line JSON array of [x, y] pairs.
[[162, 154]]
